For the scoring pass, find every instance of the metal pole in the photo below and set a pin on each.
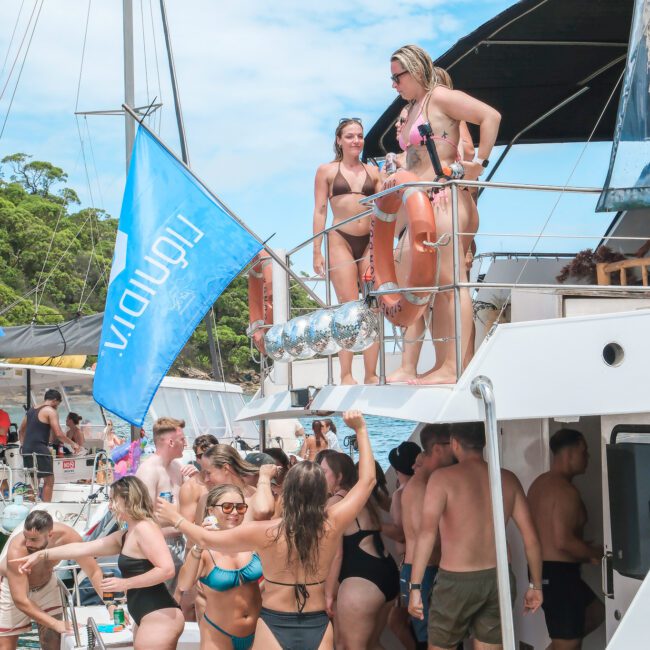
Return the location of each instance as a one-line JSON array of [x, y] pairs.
[[482, 388], [207, 319], [328, 300], [280, 301], [262, 432], [225, 208], [129, 76], [287, 261], [382, 349], [456, 261]]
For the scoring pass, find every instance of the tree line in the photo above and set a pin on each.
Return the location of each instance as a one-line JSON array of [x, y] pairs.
[[55, 260]]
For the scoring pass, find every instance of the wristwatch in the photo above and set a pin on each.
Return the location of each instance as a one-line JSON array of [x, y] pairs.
[[532, 586], [415, 585], [483, 162]]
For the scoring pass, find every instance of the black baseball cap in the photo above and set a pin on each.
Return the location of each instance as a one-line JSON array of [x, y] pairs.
[[402, 458]]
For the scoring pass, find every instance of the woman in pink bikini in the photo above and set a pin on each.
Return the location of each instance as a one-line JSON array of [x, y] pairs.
[[432, 101], [342, 183]]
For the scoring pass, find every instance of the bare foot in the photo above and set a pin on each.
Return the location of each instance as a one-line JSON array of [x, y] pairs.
[[437, 377], [372, 379], [348, 380], [400, 376]]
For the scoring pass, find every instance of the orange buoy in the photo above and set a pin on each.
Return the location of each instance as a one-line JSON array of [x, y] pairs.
[[260, 298], [403, 309]]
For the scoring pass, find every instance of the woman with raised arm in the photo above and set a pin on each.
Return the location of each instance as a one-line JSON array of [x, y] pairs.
[[433, 102], [144, 562], [342, 183], [230, 580], [296, 550]]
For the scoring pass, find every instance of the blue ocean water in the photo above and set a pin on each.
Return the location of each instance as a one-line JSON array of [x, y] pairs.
[[385, 433]]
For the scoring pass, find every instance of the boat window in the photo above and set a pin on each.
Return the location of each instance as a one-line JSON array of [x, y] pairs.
[[13, 400], [80, 400], [233, 403], [171, 402], [208, 413]]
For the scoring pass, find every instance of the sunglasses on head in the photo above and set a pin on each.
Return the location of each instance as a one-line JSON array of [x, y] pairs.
[[350, 119], [228, 507]]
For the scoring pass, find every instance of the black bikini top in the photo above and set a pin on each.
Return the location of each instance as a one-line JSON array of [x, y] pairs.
[[341, 185]]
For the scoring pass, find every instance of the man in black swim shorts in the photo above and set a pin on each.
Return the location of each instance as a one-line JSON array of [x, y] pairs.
[[571, 608]]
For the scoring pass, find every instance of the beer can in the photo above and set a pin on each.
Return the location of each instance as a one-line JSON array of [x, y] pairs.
[[391, 165], [168, 496], [118, 615], [108, 596]]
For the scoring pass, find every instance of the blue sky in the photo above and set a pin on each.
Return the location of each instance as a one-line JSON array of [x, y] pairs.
[[263, 85]]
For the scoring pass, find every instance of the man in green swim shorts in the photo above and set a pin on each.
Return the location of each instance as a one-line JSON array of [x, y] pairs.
[[465, 600]]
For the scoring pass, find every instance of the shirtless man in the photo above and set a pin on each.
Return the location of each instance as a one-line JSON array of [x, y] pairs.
[[35, 597], [457, 501], [164, 472], [571, 608], [436, 453], [35, 430]]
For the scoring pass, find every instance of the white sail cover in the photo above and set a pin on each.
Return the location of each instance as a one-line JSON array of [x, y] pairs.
[[628, 179]]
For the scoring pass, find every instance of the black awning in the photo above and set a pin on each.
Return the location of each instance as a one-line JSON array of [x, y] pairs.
[[528, 60]]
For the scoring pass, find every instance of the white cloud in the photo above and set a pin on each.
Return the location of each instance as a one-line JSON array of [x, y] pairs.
[[263, 85]]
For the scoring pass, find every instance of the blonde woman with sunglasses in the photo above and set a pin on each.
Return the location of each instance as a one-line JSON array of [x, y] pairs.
[[341, 184], [434, 102], [230, 580]]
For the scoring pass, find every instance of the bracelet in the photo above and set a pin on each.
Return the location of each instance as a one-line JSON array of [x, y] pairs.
[[196, 549], [179, 522], [532, 586]]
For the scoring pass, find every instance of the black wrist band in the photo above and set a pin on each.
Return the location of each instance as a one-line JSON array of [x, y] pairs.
[[415, 585]]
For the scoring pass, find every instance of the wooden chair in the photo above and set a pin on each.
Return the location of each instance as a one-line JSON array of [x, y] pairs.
[[604, 270]]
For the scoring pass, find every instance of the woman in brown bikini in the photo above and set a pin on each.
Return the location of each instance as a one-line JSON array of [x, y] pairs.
[[342, 183]]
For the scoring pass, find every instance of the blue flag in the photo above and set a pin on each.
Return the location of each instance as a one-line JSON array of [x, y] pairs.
[[176, 250]]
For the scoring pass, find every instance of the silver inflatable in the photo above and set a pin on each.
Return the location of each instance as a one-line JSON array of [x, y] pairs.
[[273, 343], [355, 327], [319, 333], [294, 338]]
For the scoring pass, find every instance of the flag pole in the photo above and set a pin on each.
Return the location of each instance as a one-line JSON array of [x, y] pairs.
[[224, 207]]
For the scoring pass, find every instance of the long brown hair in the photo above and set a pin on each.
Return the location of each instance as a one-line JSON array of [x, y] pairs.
[[317, 428], [220, 455], [304, 495]]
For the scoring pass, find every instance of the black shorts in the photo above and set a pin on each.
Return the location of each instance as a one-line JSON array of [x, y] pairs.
[[566, 598], [44, 463]]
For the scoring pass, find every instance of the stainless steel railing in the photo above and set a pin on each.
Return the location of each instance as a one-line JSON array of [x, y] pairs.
[[457, 285], [69, 616]]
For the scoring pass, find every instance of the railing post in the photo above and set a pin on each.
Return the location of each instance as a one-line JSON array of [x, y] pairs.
[[287, 262], [456, 261], [382, 349], [482, 388], [328, 302], [280, 301]]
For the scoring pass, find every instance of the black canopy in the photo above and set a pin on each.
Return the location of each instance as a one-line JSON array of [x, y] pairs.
[[528, 60]]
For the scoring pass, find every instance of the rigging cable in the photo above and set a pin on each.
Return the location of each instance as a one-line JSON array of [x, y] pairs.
[[11, 40], [20, 47], [530, 255], [20, 72], [144, 49], [155, 50]]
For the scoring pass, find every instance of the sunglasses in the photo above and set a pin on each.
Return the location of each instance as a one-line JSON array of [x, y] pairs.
[[401, 120], [395, 77], [228, 507], [350, 119]]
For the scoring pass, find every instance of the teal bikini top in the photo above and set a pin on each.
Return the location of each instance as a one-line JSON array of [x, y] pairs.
[[224, 579]]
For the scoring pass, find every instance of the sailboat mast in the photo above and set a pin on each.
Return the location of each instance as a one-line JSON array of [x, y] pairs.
[[129, 77], [209, 317]]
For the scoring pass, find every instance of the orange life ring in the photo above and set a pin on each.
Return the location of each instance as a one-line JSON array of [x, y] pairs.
[[260, 298], [403, 308]]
